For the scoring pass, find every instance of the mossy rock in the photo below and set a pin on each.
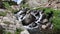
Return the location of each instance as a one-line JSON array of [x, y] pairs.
[[2, 13]]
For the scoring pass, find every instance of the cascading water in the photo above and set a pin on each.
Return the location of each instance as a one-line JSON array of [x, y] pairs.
[[33, 20], [22, 16]]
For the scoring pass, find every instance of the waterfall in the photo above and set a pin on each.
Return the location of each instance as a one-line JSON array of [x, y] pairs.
[[21, 14]]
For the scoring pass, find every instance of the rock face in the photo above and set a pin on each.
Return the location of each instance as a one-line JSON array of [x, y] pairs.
[[36, 3], [29, 19], [44, 3]]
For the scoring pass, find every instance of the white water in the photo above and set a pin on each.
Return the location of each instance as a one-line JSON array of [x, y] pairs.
[[38, 19]]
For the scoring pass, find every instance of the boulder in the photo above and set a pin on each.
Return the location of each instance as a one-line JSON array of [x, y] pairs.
[[36, 3], [28, 19]]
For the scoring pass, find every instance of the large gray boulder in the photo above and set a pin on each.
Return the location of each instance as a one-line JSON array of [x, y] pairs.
[[36, 3], [55, 4]]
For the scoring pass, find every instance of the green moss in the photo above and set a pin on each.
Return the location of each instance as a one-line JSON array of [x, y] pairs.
[[2, 13]]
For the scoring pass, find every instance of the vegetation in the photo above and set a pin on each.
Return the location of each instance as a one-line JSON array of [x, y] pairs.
[[7, 6], [18, 31], [2, 13], [56, 17], [7, 32]]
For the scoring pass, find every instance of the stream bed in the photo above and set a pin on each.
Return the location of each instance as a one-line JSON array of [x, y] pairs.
[[34, 20]]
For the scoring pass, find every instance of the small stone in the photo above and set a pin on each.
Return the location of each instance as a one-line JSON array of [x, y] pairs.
[[45, 20], [44, 26]]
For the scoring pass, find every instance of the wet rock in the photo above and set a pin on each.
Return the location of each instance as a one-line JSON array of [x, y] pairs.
[[28, 19]]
